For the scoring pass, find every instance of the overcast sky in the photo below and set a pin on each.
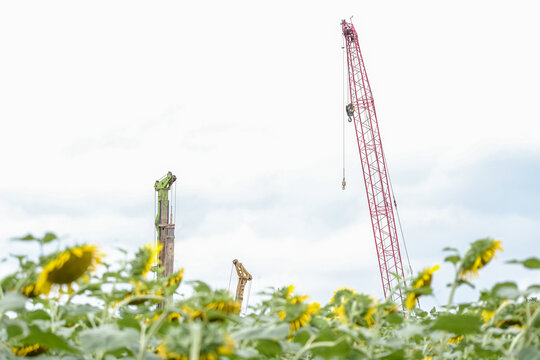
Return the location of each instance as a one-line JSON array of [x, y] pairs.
[[243, 102]]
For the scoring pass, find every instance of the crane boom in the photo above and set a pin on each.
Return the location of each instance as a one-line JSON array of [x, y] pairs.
[[243, 277], [373, 166]]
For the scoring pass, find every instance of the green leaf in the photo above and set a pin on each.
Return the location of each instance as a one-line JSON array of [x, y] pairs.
[[465, 282], [394, 318], [277, 332], [458, 324], [301, 337], [506, 290], [533, 289], [37, 315], [450, 249], [248, 353], [338, 349], [129, 322], [269, 348], [200, 286], [38, 336], [15, 327], [454, 259], [530, 263], [123, 251], [12, 301], [426, 290], [529, 353], [410, 330], [48, 237], [319, 322], [395, 355], [28, 237], [108, 338]]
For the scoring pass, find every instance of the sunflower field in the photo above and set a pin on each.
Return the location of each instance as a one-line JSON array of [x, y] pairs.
[[72, 304]]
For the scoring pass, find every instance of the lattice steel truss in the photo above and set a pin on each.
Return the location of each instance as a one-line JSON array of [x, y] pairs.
[[373, 167]]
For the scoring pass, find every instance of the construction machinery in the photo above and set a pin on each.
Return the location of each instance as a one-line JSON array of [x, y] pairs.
[[361, 111], [164, 223], [243, 277]]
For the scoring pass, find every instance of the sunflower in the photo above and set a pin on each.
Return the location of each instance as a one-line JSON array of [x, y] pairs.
[[423, 280], [29, 350], [175, 279], [145, 258], [68, 267], [174, 316], [340, 298], [296, 312], [287, 291], [30, 291], [141, 289], [478, 256], [455, 339], [298, 299], [226, 348], [305, 317], [351, 307], [228, 307], [192, 313], [369, 314], [338, 313], [341, 294], [487, 315]]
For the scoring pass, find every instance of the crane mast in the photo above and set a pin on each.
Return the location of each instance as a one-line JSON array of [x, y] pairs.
[[362, 110], [164, 223]]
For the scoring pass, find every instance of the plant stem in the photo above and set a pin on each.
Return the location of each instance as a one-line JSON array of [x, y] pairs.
[[454, 286], [196, 341], [146, 337]]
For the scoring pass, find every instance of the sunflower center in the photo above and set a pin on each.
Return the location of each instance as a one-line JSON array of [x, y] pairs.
[[72, 269]]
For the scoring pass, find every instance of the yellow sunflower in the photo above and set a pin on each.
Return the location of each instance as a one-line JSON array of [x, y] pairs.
[[339, 314], [369, 314], [226, 348], [68, 267], [174, 316], [342, 293], [455, 339], [350, 307], [288, 291], [176, 279], [338, 300], [478, 256], [423, 280], [192, 313], [149, 255], [487, 315], [30, 291], [228, 307], [29, 350], [140, 289], [305, 317]]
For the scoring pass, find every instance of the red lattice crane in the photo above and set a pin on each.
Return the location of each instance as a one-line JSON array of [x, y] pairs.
[[361, 109]]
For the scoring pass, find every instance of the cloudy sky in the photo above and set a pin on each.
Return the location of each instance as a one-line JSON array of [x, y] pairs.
[[243, 101]]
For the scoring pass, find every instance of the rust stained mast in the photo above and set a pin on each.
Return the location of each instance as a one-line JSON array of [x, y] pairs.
[[164, 224]]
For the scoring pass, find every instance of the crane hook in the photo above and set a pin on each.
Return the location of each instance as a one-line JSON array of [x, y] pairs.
[[343, 183]]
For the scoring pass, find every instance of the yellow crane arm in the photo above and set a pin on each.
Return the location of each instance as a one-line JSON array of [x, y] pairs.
[[243, 277]]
